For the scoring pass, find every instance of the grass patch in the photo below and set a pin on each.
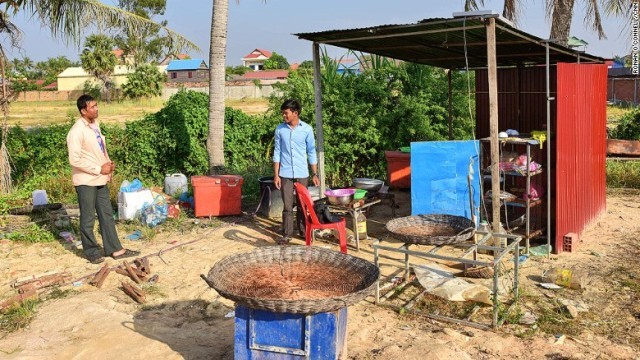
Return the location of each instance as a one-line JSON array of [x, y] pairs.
[[623, 174], [32, 234], [44, 113], [554, 318], [436, 305], [615, 113], [19, 316], [154, 290]]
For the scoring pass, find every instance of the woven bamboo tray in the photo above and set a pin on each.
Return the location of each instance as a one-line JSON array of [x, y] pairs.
[[432, 229], [293, 279]]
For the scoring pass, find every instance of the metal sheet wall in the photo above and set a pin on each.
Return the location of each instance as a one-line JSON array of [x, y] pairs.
[[522, 106], [578, 141], [581, 147], [521, 100]]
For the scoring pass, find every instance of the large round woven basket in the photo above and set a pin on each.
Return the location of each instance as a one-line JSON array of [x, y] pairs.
[[293, 279], [432, 229]]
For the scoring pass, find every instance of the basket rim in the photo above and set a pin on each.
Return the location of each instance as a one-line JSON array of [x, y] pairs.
[[466, 229], [306, 306]]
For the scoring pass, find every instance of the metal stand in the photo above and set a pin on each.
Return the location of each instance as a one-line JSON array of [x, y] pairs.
[[354, 211], [472, 250]]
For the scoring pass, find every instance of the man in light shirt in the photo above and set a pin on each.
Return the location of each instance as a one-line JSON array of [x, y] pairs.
[[91, 170], [294, 151]]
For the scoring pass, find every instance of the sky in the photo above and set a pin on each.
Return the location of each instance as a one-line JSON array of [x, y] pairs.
[[269, 25]]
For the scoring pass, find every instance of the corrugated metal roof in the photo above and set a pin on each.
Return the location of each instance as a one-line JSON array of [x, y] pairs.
[[189, 64], [449, 43]]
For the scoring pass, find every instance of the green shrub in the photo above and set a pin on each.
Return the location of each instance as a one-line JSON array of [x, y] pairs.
[[628, 128], [623, 174], [144, 82]]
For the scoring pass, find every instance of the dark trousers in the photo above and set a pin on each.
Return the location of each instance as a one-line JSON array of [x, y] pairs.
[[288, 196], [92, 200]]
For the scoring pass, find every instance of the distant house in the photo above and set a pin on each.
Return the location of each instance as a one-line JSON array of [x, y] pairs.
[[170, 58], [255, 59], [73, 78], [623, 86], [123, 59], [273, 75], [52, 86], [349, 66], [187, 71]]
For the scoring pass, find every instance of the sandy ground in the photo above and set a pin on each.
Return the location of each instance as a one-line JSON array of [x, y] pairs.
[[185, 319]]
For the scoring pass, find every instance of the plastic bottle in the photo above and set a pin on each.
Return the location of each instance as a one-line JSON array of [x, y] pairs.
[[565, 277], [361, 225], [484, 226]]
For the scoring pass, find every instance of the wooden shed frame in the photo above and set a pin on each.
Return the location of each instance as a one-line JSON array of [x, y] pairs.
[[484, 41]]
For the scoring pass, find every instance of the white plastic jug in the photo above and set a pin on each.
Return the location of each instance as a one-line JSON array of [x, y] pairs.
[[40, 197], [175, 184]]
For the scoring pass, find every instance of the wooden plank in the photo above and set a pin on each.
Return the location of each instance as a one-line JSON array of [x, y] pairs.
[[317, 88], [623, 147], [492, 73]]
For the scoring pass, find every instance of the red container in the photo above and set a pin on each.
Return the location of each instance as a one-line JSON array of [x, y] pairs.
[[217, 195], [398, 169]]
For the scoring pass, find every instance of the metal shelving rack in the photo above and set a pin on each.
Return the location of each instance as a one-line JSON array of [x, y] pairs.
[[527, 203], [468, 258]]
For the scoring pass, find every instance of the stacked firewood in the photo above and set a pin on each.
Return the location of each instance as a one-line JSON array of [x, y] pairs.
[[29, 287], [139, 272]]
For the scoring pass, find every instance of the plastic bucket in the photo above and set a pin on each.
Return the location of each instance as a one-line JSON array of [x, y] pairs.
[[175, 184], [271, 204]]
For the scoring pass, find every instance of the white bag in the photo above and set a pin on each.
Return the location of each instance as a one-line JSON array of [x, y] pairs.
[[130, 203]]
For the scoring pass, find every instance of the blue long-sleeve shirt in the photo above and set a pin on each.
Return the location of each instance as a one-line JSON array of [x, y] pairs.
[[292, 149]]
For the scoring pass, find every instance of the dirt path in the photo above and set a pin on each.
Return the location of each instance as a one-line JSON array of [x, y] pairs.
[[185, 319]]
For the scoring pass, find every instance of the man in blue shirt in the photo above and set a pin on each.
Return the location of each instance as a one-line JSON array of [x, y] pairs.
[[294, 150]]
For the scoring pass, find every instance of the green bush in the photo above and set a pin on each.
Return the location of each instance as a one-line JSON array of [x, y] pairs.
[[145, 82], [628, 128]]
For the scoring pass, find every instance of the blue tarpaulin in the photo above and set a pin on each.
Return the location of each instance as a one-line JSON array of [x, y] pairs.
[[439, 177]]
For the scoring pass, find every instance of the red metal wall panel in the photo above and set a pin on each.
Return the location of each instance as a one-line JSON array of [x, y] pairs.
[[581, 147], [578, 139], [522, 103]]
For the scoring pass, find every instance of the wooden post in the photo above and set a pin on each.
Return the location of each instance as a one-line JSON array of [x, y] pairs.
[[317, 88], [492, 72], [450, 106]]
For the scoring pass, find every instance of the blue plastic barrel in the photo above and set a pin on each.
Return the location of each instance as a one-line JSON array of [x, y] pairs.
[[261, 334]]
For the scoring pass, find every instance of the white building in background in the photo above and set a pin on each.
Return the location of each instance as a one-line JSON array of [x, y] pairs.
[[255, 59], [73, 78]]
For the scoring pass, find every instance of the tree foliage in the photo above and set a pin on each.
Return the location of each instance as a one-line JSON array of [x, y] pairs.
[[146, 44], [145, 82], [628, 128], [234, 71], [386, 107], [276, 62], [98, 59]]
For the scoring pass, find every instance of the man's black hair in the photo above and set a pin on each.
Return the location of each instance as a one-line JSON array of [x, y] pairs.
[[292, 105], [83, 100]]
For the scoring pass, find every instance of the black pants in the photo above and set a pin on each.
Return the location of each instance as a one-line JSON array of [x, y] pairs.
[[288, 196], [92, 200]]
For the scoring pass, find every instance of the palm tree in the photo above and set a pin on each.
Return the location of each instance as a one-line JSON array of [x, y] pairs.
[[217, 59], [67, 20], [561, 13], [98, 60]]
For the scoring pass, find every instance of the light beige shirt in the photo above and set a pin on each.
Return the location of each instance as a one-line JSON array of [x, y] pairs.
[[85, 156]]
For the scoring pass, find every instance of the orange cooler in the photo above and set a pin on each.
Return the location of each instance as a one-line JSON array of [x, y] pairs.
[[398, 169], [217, 195]]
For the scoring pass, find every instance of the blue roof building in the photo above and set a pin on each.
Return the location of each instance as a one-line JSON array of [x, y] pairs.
[[187, 71]]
